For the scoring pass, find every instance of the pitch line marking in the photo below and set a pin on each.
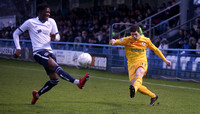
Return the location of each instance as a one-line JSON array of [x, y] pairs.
[[182, 87], [164, 85]]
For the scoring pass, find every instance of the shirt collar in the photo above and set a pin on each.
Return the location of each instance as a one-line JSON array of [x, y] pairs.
[[40, 20]]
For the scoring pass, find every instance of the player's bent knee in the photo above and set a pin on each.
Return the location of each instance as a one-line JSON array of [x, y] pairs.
[[54, 82], [140, 71], [57, 69]]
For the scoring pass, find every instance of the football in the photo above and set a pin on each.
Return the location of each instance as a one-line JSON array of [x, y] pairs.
[[84, 60]]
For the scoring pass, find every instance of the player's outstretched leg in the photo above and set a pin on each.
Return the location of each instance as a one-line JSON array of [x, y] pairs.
[[35, 98], [64, 75], [83, 80], [48, 85], [153, 100], [132, 91]]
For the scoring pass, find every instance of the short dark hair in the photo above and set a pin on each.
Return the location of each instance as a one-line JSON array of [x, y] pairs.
[[135, 28], [42, 7]]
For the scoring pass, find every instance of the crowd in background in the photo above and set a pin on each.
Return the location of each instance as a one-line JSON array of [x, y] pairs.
[[95, 21], [189, 39], [91, 25]]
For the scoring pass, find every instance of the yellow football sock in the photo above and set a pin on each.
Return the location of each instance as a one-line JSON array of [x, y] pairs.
[[137, 83], [145, 91]]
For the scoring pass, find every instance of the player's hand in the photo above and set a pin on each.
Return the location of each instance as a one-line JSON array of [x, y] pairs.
[[53, 36], [112, 41], [17, 53], [168, 62]]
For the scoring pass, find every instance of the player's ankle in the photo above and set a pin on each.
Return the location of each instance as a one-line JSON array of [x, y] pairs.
[[76, 81], [37, 95]]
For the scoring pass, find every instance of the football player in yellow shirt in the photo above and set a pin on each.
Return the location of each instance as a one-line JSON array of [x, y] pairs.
[[135, 48]]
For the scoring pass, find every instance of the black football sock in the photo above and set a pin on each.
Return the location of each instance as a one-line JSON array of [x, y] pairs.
[[49, 84], [64, 75]]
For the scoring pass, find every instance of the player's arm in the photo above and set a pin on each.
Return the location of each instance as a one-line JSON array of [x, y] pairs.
[[54, 32], [158, 52], [121, 41], [16, 34]]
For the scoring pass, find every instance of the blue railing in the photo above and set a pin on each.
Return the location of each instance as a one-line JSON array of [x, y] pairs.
[[185, 66]]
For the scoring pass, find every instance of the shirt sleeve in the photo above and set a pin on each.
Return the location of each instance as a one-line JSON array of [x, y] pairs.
[[24, 26], [55, 30], [152, 47], [17, 32], [121, 41]]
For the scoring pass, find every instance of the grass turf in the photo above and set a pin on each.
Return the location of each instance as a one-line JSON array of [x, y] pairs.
[[104, 93]]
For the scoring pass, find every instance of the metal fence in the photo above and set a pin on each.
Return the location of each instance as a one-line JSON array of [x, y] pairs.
[[185, 62]]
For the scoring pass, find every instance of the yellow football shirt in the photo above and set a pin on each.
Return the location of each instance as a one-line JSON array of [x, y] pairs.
[[136, 49]]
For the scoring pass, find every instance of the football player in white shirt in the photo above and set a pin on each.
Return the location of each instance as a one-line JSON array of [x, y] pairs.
[[42, 30]]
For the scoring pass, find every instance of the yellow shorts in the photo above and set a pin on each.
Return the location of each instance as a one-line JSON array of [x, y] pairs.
[[133, 67]]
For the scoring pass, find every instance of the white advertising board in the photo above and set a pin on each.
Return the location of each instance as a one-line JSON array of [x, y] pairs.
[[67, 57]]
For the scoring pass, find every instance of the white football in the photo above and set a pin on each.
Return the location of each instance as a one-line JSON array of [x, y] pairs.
[[84, 60]]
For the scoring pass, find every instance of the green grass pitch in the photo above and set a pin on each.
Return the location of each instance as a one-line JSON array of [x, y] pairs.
[[104, 93]]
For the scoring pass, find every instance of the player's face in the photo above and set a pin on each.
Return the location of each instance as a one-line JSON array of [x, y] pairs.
[[135, 35], [44, 15]]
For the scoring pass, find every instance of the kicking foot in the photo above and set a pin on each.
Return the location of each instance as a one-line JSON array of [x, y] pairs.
[[132, 91], [35, 98], [153, 100], [83, 80]]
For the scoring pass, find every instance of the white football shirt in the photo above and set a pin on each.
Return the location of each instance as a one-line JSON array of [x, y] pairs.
[[39, 33]]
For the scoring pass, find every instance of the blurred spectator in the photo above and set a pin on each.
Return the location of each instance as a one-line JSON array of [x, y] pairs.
[[181, 36], [157, 42], [193, 33], [186, 45], [192, 44], [179, 44], [84, 37], [198, 46], [99, 36], [105, 38], [163, 45], [94, 39], [198, 31], [70, 36], [186, 34], [78, 38]]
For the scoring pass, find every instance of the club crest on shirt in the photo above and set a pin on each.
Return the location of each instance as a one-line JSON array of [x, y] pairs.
[[48, 25], [143, 43], [46, 54], [39, 31], [121, 39]]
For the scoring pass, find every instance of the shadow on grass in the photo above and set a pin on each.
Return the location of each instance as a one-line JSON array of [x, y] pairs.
[[114, 104], [22, 105]]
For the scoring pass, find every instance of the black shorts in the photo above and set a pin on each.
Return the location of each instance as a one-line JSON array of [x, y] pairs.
[[42, 57]]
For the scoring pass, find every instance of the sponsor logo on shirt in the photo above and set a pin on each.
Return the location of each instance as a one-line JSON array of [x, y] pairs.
[[143, 43], [39, 31], [137, 50]]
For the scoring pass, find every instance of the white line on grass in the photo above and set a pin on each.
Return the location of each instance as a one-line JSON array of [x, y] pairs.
[[149, 83], [31, 69]]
